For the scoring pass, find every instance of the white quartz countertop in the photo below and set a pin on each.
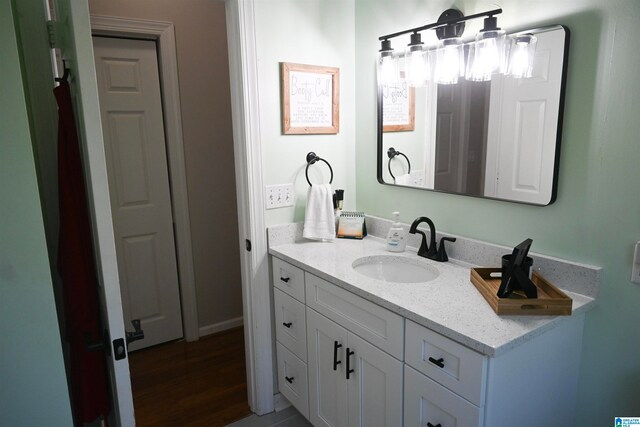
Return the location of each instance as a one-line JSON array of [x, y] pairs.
[[449, 304]]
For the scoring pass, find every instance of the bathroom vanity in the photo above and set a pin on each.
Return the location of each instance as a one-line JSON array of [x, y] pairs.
[[352, 350]]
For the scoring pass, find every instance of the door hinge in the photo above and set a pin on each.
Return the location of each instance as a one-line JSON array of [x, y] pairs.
[[247, 244], [53, 34]]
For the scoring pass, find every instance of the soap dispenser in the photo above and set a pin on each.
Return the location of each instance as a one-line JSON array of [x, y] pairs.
[[396, 239]]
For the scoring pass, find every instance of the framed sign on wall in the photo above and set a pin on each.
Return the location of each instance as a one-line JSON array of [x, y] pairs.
[[398, 107], [310, 99]]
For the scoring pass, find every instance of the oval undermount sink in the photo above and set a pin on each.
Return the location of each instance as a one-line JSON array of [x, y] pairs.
[[391, 268]]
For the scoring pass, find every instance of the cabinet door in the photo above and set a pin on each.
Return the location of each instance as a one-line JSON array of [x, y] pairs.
[[427, 403], [374, 386], [327, 387]]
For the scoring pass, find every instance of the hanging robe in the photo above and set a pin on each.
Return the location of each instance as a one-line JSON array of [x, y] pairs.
[[76, 266]]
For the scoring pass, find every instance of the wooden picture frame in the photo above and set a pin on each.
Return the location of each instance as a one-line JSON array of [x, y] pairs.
[[310, 99], [398, 107]]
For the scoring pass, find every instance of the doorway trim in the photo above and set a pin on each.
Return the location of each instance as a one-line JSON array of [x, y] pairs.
[[256, 292], [164, 35]]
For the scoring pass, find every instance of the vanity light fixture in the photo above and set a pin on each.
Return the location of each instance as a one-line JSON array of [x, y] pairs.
[[487, 55], [416, 62], [387, 64], [521, 55]]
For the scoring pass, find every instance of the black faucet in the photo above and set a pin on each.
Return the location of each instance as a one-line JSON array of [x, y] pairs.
[[430, 251]]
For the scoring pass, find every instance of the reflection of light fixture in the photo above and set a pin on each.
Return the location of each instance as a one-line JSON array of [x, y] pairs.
[[449, 61], [521, 55], [450, 52], [416, 62], [387, 64], [487, 56]]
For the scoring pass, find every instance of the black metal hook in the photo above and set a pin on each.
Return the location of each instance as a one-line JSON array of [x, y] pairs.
[[311, 159], [65, 75], [392, 152]]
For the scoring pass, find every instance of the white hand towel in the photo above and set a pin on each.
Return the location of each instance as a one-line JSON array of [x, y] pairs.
[[319, 221], [404, 179]]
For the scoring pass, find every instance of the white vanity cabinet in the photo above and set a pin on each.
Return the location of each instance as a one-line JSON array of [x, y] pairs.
[[345, 361], [352, 358]]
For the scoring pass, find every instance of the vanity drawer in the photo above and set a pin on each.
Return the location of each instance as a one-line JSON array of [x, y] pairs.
[[288, 278], [292, 379], [426, 401], [375, 324], [291, 325], [455, 366]]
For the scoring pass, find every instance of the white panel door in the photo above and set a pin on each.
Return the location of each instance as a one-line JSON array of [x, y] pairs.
[[451, 125], [327, 387], [374, 386], [527, 127], [132, 122]]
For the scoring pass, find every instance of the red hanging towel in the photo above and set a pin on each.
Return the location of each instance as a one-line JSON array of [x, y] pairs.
[[76, 265]]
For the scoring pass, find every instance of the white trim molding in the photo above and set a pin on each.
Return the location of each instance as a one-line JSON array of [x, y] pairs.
[[163, 33], [256, 295], [221, 326]]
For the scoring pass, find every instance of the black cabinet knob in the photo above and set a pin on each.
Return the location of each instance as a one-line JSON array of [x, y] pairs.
[[431, 425], [438, 362], [289, 379], [287, 324], [285, 279]]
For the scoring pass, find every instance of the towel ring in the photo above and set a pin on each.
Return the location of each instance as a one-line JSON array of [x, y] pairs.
[[311, 159], [392, 152]]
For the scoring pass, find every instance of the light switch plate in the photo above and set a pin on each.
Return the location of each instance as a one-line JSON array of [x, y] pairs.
[[279, 196], [635, 270]]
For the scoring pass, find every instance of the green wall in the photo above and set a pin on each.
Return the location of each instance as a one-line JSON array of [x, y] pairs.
[[596, 218], [33, 386]]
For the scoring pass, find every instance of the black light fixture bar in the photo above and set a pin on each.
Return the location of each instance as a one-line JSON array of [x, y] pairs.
[[442, 23]]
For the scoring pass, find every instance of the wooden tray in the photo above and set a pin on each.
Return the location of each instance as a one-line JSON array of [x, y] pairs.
[[550, 301]]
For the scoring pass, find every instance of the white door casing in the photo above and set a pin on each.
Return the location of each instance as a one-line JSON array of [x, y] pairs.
[[133, 129], [523, 128], [243, 73]]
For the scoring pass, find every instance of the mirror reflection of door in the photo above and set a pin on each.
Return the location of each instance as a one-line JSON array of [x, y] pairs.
[[461, 137], [133, 128]]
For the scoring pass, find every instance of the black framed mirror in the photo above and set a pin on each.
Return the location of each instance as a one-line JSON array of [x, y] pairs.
[[498, 139]]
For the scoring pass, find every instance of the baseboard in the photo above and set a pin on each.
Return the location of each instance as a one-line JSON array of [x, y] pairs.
[[221, 326], [280, 402]]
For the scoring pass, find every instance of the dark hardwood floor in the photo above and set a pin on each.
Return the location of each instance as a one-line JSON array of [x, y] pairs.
[[201, 383]]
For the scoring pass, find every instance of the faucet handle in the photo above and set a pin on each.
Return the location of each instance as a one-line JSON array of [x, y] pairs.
[[442, 252]]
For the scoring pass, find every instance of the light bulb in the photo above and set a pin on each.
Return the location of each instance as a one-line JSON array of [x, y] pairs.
[[487, 56], [416, 62], [449, 61], [388, 72], [521, 56]]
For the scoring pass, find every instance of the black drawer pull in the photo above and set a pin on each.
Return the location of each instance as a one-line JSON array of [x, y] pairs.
[[285, 279], [287, 324], [439, 362], [431, 425], [289, 379], [336, 362], [349, 354]]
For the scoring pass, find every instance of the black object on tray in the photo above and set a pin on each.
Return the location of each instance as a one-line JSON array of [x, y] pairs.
[[514, 276]]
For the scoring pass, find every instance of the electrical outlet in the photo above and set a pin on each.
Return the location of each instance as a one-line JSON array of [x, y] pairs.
[[279, 196], [635, 270]]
